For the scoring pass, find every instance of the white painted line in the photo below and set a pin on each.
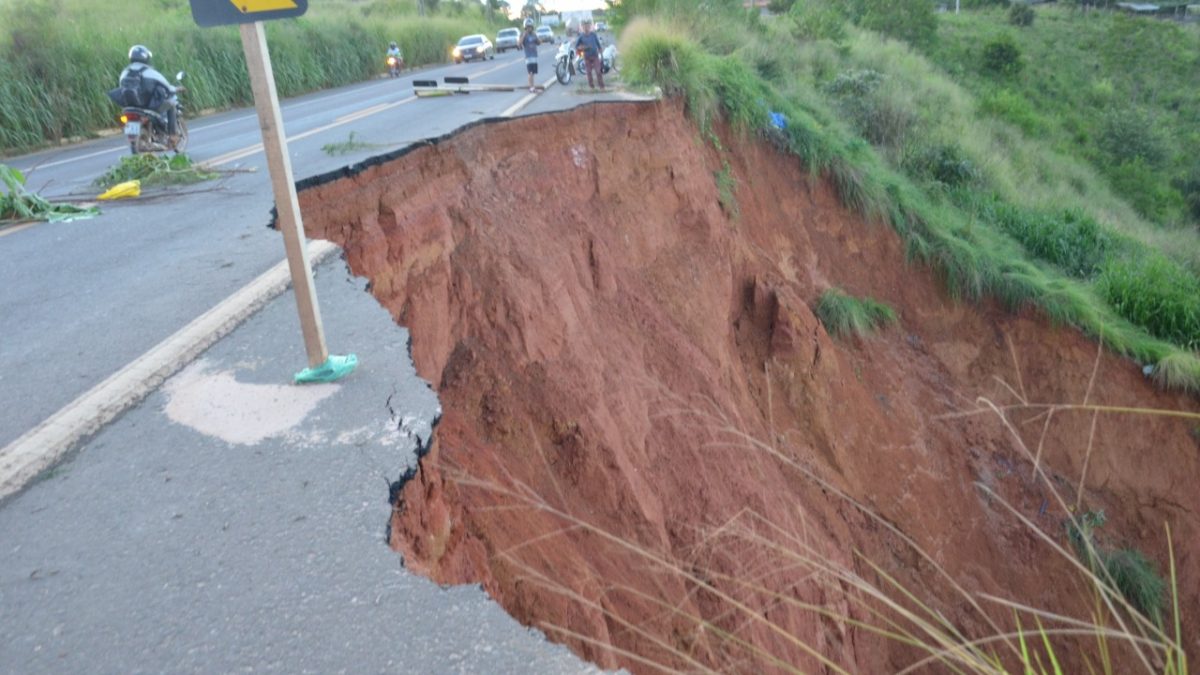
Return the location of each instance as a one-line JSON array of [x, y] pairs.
[[75, 159], [43, 445], [516, 107], [345, 119]]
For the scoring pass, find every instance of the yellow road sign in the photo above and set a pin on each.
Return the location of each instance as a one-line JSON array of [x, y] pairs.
[[226, 12], [257, 6]]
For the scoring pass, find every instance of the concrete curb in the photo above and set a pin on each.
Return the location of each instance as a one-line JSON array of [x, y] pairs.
[[42, 446]]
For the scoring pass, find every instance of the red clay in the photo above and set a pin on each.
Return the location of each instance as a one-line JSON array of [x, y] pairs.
[[609, 345]]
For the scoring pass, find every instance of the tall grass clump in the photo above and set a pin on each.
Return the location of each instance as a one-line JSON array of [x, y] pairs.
[[844, 315], [59, 58], [1154, 292]]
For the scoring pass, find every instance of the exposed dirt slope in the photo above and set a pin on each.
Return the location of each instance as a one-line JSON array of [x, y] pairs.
[[598, 328]]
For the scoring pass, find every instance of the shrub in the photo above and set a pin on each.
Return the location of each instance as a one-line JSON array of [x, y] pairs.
[[1012, 107], [1129, 134], [1146, 189], [878, 114], [1189, 187], [1020, 14], [944, 164], [1002, 57], [1156, 294], [844, 315], [912, 22], [817, 20]]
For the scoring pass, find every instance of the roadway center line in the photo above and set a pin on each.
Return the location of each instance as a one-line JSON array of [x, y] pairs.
[[345, 119], [46, 443]]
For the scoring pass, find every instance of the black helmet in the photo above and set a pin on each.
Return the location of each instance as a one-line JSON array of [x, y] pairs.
[[393, 44], [140, 54]]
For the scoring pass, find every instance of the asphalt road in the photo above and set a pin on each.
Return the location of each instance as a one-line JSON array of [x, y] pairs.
[[83, 299], [229, 522]]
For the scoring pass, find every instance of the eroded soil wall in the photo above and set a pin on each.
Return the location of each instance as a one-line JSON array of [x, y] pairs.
[[637, 398]]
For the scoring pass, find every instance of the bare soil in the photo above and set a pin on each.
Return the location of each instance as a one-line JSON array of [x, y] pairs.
[[650, 444]]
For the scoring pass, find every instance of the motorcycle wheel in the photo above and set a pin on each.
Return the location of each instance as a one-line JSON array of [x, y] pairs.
[[181, 144], [562, 71], [145, 140]]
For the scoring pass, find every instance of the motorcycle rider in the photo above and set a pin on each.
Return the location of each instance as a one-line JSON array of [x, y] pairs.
[[394, 50], [157, 93]]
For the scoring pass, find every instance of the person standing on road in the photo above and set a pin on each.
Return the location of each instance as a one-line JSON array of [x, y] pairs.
[[589, 44], [529, 42]]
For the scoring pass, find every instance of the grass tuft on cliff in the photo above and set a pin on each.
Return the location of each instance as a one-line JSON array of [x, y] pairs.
[[844, 315], [995, 210]]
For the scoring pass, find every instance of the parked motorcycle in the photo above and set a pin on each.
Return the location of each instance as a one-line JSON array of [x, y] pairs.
[[395, 64], [567, 63], [146, 129], [564, 63]]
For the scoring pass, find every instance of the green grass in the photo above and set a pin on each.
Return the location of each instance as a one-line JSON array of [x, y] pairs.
[[152, 169], [846, 316], [1098, 86], [995, 209], [58, 58], [1125, 570], [351, 144]]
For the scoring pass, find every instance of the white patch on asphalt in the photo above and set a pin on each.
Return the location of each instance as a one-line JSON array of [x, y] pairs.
[[215, 404]]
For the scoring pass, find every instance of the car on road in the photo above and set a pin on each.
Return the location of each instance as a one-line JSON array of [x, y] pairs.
[[508, 38], [472, 47], [601, 26], [545, 34]]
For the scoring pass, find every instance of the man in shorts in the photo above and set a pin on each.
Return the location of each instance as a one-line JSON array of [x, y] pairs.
[[529, 42]]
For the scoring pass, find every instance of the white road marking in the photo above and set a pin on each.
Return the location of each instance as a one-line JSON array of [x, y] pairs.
[[43, 445], [516, 107], [345, 119]]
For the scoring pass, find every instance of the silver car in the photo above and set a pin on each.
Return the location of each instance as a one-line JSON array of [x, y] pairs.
[[473, 47], [508, 38]]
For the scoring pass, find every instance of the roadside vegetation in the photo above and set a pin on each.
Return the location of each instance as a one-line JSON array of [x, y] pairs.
[[59, 58], [991, 205]]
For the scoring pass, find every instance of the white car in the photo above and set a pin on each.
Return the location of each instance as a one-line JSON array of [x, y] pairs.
[[545, 34], [508, 38]]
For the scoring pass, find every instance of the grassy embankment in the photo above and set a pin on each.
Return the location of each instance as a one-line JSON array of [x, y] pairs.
[[58, 58], [996, 211]]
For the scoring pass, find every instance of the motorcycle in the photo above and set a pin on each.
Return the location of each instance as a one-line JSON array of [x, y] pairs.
[[564, 65], [567, 63], [395, 64], [146, 129]]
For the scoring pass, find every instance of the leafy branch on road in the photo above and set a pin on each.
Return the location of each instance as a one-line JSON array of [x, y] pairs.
[[19, 203], [153, 169]]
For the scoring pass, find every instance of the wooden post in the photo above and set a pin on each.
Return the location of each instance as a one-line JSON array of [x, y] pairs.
[[266, 101]]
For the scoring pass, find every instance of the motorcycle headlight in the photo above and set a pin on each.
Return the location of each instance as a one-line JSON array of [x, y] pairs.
[[457, 51]]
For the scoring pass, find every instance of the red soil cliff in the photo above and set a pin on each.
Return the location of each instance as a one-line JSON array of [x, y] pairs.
[[609, 343]]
